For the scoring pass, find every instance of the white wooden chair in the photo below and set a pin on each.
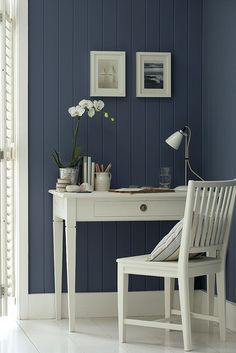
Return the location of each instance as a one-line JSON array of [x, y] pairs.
[[207, 220]]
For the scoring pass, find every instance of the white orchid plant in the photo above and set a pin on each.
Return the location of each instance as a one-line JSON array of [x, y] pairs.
[[84, 106]]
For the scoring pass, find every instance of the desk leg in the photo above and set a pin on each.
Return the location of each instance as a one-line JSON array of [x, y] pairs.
[[57, 247], [71, 258]]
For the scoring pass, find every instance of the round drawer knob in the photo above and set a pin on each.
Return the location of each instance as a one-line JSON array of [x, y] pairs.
[[143, 207]]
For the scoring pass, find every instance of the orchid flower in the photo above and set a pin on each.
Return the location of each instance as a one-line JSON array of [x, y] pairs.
[[91, 112], [76, 111], [85, 105], [98, 105]]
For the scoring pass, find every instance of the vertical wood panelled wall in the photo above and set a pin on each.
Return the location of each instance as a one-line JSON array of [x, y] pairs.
[[219, 106], [61, 35]]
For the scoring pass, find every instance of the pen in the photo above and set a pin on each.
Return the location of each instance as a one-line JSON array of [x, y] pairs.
[[108, 168]]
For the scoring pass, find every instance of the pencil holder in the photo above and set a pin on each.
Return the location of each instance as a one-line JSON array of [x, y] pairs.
[[102, 181]]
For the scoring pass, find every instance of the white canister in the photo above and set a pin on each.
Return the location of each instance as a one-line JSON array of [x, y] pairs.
[[102, 181]]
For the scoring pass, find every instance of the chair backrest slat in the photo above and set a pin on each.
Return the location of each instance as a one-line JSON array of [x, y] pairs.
[[195, 217], [221, 214], [231, 192], [217, 214], [207, 217], [197, 240], [212, 215]]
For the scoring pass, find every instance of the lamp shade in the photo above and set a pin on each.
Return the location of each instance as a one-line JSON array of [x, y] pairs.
[[175, 139]]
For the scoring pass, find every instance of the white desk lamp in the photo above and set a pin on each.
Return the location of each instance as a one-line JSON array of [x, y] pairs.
[[174, 141]]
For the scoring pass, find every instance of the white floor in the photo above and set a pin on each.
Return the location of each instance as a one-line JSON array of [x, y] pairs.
[[100, 336]]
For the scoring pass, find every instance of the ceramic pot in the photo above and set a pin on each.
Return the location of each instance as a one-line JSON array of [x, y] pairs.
[[102, 181]]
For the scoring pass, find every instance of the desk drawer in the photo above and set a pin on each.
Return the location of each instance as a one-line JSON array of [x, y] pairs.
[[139, 209]]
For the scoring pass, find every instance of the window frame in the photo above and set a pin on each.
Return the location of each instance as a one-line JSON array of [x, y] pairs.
[[21, 109]]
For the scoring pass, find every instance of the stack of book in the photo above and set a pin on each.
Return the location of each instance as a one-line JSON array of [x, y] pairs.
[[62, 184], [88, 171]]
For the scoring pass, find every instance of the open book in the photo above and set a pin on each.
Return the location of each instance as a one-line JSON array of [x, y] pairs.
[[143, 189]]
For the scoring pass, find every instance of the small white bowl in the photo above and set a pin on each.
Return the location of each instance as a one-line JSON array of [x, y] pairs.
[[73, 188]]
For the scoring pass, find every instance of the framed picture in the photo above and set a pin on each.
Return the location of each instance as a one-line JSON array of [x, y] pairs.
[[153, 74], [107, 73]]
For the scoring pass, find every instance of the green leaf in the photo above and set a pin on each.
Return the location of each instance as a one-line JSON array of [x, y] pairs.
[[56, 159], [75, 157], [76, 153]]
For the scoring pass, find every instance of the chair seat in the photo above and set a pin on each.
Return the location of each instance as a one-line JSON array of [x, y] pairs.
[[140, 264]]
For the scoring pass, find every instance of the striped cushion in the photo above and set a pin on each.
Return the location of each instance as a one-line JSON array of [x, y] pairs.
[[168, 247]]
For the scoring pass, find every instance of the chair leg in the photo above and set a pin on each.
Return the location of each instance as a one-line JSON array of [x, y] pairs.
[[122, 302], [169, 287], [191, 293], [220, 281], [185, 312], [210, 296], [210, 290]]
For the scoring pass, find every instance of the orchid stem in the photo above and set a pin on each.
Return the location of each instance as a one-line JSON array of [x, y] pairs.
[[75, 136]]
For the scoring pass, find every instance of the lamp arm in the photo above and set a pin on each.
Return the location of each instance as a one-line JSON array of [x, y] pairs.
[[190, 168], [187, 134], [188, 137]]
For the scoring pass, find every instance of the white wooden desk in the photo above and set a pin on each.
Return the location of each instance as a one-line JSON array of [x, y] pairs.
[[101, 206]]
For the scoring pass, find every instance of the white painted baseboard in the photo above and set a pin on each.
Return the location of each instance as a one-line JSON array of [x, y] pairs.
[[41, 306], [231, 316], [230, 309]]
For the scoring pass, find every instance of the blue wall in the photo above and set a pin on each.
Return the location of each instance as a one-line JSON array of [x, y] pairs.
[[61, 35], [219, 105]]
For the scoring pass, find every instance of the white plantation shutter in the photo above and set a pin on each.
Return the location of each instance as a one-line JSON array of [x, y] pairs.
[[7, 208]]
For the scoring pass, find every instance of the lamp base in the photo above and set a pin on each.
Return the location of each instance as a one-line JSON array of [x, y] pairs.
[[181, 188]]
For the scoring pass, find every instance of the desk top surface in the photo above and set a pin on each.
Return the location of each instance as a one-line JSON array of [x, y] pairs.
[[178, 195]]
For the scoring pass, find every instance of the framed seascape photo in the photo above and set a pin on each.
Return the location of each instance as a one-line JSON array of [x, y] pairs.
[[153, 74], [107, 73]]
